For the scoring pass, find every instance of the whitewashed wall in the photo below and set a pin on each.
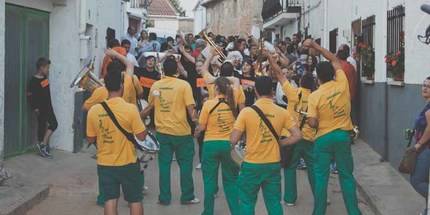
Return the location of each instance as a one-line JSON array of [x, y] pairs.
[[417, 54], [45, 5], [199, 19], [170, 24], [2, 76]]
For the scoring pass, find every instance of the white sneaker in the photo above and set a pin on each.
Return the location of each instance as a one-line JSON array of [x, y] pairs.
[[199, 166], [289, 204], [328, 201], [194, 201]]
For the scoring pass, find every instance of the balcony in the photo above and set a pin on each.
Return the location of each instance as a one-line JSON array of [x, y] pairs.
[[276, 13]]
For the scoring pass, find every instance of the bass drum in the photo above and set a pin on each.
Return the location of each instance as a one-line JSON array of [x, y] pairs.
[[238, 153], [141, 105]]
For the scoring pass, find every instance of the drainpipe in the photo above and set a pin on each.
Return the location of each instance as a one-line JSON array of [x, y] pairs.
[[325, 31], [386, 154], [84, 39]]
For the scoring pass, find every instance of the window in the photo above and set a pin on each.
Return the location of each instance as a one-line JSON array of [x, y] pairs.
[[365, 48], [333, 41], [395, 58]]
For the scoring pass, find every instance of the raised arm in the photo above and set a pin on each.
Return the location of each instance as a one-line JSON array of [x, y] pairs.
[[277, 71], [186, 54], [129, 65], [209, 78], [309, 43]]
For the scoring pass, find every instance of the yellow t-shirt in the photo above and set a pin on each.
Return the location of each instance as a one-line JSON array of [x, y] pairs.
[[170, 97], [239, 94], [113, 148], [298, 101], [100, 94], [131, 86], [219, 124], [331, 105], [129, 95], [261, 145]]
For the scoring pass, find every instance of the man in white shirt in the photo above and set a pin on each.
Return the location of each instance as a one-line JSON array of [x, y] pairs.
[[127, 45], [131, 36]]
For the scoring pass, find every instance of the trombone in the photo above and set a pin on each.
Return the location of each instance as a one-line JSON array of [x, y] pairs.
[[212, 44]]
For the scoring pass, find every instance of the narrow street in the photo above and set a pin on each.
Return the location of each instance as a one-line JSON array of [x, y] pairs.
[[73, 189]]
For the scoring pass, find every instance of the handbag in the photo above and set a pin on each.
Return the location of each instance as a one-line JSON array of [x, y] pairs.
[[409, 159], [285, 151]]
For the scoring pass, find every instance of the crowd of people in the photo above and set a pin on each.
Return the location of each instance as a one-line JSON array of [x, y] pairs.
[[280, 102]]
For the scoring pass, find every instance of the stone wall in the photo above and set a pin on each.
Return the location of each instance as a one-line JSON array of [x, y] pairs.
[[233, 17]]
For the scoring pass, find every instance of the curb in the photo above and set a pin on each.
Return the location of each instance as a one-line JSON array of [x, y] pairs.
[[28, 202], [373, 207]]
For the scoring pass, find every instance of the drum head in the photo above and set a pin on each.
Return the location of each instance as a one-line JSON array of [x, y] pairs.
[[150, 144]]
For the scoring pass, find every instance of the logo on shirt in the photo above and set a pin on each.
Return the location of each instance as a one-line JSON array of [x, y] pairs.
[[338, 111], [44, 83], [106, 135]]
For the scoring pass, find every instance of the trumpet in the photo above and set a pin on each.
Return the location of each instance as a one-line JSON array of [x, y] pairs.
[[212, 44]]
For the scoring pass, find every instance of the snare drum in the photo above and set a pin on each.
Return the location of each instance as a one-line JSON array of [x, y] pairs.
[[150, 145]]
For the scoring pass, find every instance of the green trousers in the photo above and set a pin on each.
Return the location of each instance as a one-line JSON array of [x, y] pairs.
[[216, 153], [303, 149], [334, 145], [183, 148], [252, 177]]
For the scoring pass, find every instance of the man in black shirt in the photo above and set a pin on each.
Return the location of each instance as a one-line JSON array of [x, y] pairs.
[[147, 75], [40, 100]]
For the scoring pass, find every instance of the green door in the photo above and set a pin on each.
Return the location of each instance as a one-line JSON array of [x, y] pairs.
[[27, 39]]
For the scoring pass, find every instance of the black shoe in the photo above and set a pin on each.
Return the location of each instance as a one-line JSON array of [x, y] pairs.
[[41, 149]]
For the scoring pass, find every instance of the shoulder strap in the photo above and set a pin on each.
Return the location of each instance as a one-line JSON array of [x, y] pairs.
[[219, 102], [128, 135], [266, 121]]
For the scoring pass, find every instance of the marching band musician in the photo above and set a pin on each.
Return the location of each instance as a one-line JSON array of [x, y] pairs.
[[261, 166], [130, 88], [216, 119], [171, 99], [329, 110], [297, 102], [117, 164]]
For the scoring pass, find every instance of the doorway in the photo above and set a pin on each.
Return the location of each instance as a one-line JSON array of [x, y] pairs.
[[26, 39]]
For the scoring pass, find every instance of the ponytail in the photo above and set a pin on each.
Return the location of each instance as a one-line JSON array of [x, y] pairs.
[[225, 88]]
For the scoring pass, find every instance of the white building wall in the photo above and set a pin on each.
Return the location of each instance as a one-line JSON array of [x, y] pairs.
[[2, 76], [45, 5], [65, 56], [170, 24], [417, 54], [199, 19]]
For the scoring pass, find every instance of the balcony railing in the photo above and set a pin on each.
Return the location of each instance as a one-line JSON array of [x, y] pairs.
[[273, 8]]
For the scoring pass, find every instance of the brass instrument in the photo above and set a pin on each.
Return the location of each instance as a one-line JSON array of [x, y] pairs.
[[261, 64], [86, 79], [212, 44]]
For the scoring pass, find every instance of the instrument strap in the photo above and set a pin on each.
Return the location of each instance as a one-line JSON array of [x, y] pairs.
[[129, 136], [267, 122], [137, 96], [221, 100]]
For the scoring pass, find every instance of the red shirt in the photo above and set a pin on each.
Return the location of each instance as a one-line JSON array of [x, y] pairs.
[[351, 75]]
